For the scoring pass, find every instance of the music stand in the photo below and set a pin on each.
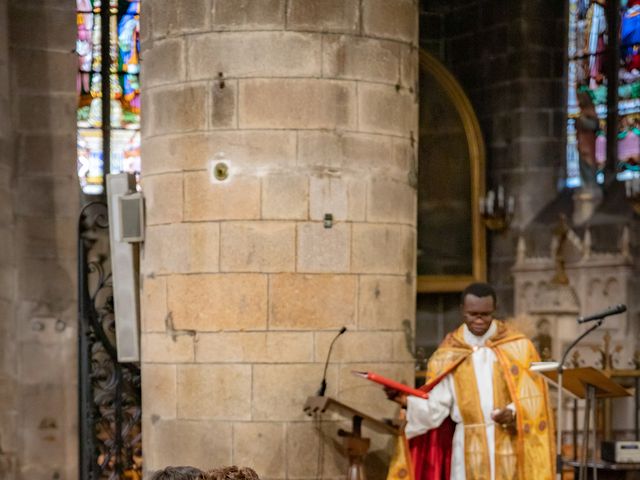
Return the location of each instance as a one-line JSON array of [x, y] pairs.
[[591, 384], [355, 445]]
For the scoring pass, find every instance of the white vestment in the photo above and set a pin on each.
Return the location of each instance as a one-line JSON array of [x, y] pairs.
[[424, 415]]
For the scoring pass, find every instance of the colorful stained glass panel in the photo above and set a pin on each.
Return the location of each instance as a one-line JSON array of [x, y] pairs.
[[124, 69], [587, 91]]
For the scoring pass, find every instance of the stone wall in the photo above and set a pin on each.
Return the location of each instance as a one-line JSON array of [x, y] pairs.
[[8, 414], [509, 58], [37, 263], [312, 106]]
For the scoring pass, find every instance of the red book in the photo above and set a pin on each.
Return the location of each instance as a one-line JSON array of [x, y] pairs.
[[387, 382]]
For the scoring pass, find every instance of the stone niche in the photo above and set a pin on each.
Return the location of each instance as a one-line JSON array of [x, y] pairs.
[[573, 280]]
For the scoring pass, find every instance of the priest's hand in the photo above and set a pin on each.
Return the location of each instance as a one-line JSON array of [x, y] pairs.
[[397, 396], [504, 417]]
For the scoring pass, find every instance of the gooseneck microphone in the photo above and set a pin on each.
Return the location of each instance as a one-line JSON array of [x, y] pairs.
[[612, 310], [323, 384]]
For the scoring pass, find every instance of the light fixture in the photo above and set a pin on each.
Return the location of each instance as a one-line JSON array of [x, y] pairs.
[[497, 209]]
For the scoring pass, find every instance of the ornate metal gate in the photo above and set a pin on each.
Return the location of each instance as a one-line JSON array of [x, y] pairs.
[[109, 392]]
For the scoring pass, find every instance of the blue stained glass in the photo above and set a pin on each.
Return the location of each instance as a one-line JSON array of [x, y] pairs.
[[587, 90]]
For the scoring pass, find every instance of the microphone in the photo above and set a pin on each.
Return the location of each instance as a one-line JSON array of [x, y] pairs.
[[612, 310], [323, 384]]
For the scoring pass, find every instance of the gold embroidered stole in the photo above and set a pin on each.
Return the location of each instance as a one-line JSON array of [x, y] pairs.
[[525, 452]]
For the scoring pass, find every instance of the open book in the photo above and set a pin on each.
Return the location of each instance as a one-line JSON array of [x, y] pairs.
[[387, 382]]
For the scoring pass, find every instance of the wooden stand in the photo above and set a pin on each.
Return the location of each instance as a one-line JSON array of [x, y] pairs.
[[355, 445], [591, 384]]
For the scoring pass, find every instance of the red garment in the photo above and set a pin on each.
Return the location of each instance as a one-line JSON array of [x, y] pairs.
[[431, 452]]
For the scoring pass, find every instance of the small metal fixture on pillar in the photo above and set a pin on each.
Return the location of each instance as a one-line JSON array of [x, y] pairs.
[[497, 209], [632, 192]]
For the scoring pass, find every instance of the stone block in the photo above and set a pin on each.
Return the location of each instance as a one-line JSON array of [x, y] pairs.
[[396, 19], [363, 154], [383, 109], [249, 441], [176, 109], [214, 392], [333, 16], [384, 302], [47, 197], [237, 198], [33, 284], [360, 58], [323, 250], [304, 441], [170, 17], [409, 67], [58, 68], [153, 304], [355, 346], [52, 114], [41, 28], [163, 198], [254, 347], [202, 444], [218, 302], [198, 253], [254, 54], [383, 249], [47, 153], [8, 286], [45, 238], [167, 348], [223, 104], [328, 195], [343, 198], [159, 391], [297, 104], [257, 246], [164, 63], [37, 362], [245, 152], [146, 39], [285, 197], [43, 411], [248, 14], [400, 349], [279, 391], [392, 202], [311, 302]]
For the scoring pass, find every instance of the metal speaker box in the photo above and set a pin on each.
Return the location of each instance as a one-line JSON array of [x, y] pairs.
[[621, 451]]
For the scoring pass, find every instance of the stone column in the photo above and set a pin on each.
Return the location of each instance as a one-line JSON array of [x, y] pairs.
[[8, 413], [40, 204], [311, 104]]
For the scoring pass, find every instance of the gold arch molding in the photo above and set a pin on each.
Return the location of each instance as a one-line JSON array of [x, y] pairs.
[[455, 283]]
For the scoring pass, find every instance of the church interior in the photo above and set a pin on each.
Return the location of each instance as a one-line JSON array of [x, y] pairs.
[[280, 193]]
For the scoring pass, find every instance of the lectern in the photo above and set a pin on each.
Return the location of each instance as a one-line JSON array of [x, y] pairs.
[[355, 445], [588, 383]]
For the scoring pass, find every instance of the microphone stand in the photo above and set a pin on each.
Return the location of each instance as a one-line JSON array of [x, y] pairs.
[[559, 425]]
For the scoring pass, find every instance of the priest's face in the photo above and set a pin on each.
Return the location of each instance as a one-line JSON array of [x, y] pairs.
[[478, 313]]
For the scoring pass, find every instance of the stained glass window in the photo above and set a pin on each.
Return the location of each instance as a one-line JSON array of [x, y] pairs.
[[124, 69], [587, 90]]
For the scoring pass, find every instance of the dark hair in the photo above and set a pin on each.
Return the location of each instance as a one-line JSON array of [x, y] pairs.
[[177, 473], [479, 290], [231, 473]]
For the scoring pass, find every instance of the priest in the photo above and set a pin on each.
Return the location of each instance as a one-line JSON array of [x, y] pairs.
[[487, 416]]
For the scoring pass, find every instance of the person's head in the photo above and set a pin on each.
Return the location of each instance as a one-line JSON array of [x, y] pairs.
[[231, 473], [478, 302], [178, 473]]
